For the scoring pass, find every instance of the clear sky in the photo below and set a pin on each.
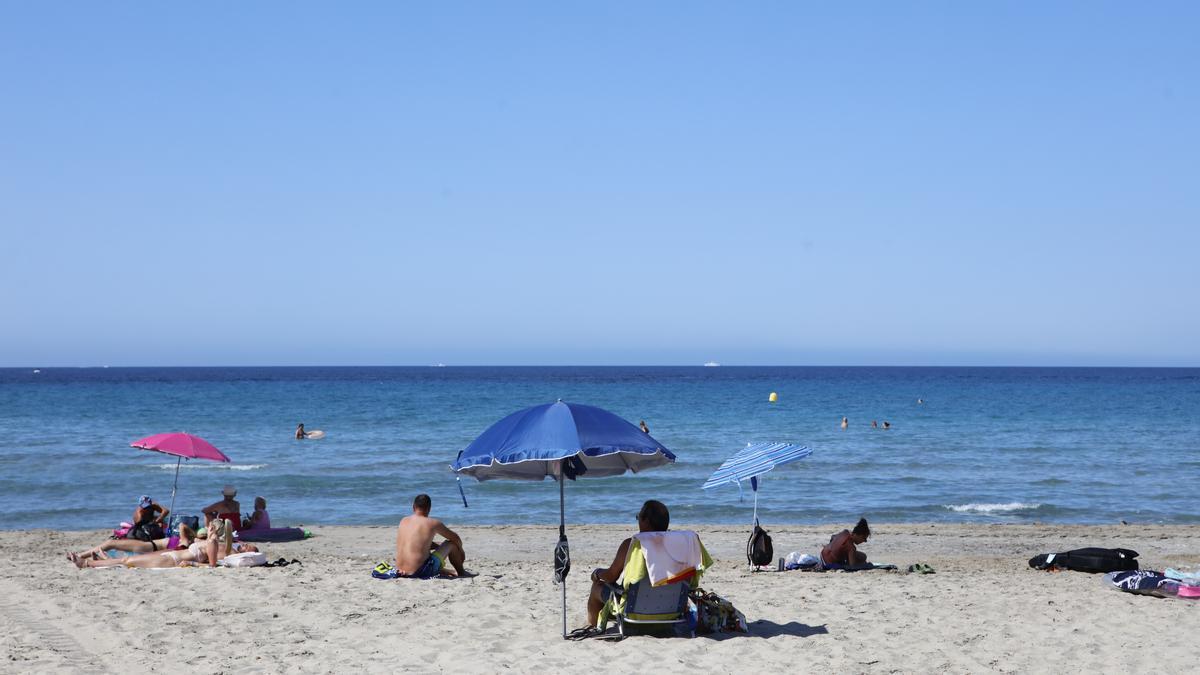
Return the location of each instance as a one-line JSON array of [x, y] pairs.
[[608, 183]]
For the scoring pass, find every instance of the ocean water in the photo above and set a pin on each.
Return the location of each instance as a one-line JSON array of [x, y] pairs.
[[1077, 445]]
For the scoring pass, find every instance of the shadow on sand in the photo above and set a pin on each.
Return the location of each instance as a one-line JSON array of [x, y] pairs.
[[769, 629]]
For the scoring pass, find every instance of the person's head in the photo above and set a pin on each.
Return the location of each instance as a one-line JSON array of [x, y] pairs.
[[247, 548], [300, 426], [144, 502], [260, 504], [422, 503], [653, 517], [229, 491], [861, 532]]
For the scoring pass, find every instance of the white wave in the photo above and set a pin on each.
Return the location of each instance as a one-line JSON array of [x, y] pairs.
[[213, 466], [992, 508]]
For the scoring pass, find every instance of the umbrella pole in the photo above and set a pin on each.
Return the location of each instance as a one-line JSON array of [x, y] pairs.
[[562, 532], [175, 486]]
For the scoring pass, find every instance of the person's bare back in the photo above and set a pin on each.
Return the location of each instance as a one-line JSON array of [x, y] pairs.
[[416, 554], [413, 540]]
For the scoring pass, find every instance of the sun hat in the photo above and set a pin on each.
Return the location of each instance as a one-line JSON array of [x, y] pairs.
[[229, 491], [144, 501]]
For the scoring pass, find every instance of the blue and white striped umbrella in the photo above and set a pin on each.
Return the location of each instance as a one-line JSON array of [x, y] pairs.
[[755, 460]]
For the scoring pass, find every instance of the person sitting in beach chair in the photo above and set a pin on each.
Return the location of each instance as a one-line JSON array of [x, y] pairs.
[[842, 551], [218, 545], [184, 539], [650, 576], [417, 555], [226, 509]]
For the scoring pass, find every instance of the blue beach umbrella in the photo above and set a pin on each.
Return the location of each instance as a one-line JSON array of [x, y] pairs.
[[753, 461], [560, 441]]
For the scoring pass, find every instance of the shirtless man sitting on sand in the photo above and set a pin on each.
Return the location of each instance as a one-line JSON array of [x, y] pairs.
[[842, 547], [416, 554]]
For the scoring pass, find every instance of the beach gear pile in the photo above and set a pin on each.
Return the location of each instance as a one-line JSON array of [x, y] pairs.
[[1169, 584]]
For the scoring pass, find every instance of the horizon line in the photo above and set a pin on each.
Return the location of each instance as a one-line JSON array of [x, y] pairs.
[[604, 365]]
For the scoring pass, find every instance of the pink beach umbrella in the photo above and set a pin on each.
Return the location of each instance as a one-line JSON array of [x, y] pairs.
[[183, 446]]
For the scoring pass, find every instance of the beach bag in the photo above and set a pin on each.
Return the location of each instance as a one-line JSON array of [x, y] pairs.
[[715, 614], [1092, 560], [248, 559], [759, 550]]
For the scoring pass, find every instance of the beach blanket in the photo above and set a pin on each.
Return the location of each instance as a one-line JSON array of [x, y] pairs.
[[670, 556], [275, 534], [835, 567]]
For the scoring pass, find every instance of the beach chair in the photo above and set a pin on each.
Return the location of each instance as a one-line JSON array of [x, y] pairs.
[[640, 607]]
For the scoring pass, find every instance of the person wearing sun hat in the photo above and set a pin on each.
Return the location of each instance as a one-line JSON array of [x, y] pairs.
[[226, 509]]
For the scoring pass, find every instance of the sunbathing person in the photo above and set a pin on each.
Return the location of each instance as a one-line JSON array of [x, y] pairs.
[[842, 547], [184, 539], [653, 517], [259, 520], [210, 552], [417, 555]]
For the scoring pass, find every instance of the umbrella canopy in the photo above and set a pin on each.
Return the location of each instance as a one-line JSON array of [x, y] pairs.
[[531, 444], [562, 440], [184, 446], [755, 460]]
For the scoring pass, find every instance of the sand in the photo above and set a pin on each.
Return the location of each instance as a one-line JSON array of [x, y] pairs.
[[984, 610]]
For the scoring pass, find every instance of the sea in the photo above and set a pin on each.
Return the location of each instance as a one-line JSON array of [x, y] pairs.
[[989, 445]]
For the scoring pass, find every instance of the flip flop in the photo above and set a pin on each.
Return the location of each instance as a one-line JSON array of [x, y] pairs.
[[584, 633]]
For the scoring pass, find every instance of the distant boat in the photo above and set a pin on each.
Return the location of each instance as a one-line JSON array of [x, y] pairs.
[[36, 371], [711, 364], [439, 365]]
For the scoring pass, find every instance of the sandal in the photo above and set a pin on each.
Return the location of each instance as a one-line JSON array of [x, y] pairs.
[[584, 633]]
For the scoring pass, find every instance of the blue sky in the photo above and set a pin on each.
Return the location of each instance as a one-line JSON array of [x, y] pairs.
[[620, 183]]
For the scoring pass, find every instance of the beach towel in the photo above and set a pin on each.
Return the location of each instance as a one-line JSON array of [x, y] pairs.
[[838, 567], [276, 534], [670, 556], [1143, 582]]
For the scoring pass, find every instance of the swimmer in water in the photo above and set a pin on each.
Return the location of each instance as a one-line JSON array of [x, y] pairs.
[[300, 431], [920, 401], [874, 424], [887, 425], [845, 422], [645, 428]]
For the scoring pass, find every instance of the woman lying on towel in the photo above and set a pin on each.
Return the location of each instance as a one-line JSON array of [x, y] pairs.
[[842, 547], [183, 540], [210, 552]]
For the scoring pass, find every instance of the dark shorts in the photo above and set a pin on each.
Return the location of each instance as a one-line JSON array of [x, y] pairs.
[[431, 568]]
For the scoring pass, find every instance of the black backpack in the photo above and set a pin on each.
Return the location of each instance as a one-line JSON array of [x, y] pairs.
[[1088, 560], [759, 550]]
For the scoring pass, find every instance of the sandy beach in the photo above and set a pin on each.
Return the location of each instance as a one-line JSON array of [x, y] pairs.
[[984, 610]]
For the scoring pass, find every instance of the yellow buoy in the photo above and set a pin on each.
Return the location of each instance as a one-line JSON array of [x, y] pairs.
[[773, 397]]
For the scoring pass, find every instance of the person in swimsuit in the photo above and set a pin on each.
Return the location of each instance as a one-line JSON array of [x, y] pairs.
[[183, 540], [653, 517], [416, 553], [845, 422], [218, 545], [259, 520], [842, 547], [300, 431]]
